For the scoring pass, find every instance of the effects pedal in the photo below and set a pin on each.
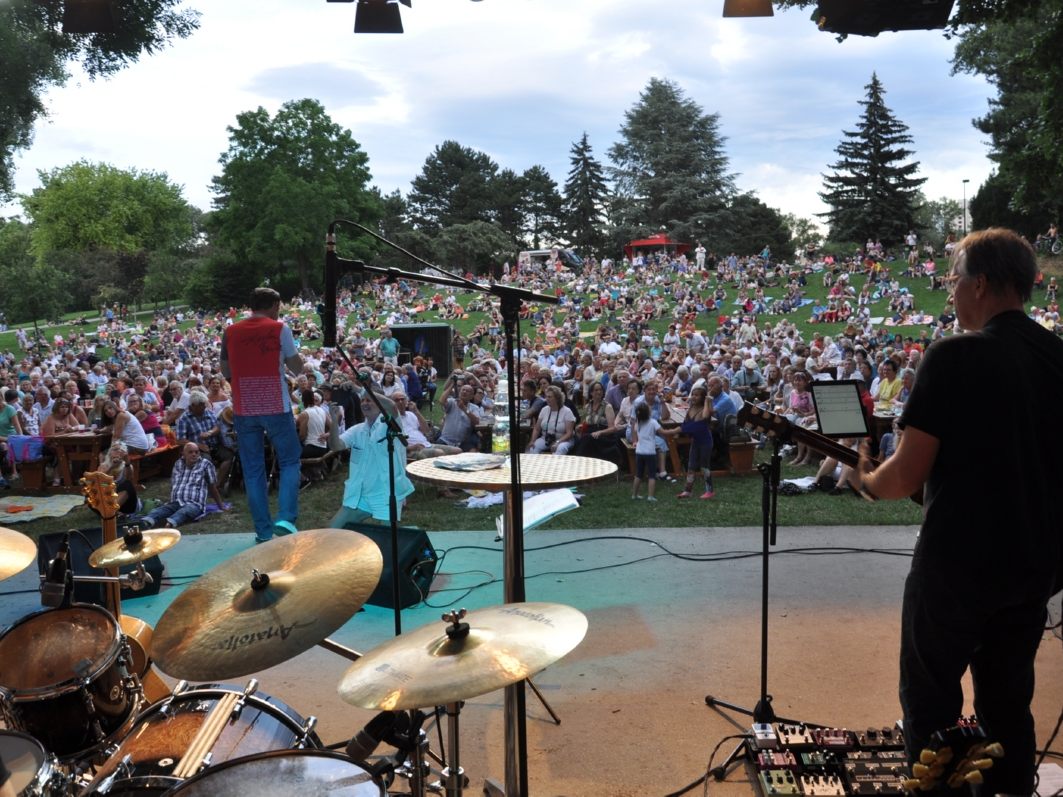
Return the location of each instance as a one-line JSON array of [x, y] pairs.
[[794, 737], [778, 781], [826, 785], [764, 737], [776, 759]]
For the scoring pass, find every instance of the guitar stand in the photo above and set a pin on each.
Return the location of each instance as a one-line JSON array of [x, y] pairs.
[[762, 712]]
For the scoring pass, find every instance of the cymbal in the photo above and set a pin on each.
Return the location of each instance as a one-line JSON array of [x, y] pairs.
[[225, 626], [119, 552], [505, 644], [16, 552]]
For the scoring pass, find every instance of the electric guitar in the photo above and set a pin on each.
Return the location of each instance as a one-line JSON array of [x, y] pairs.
[[779, 426], [954, 757], [100, 493]]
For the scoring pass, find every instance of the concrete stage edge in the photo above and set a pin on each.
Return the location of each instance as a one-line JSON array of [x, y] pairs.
[[664, 633]]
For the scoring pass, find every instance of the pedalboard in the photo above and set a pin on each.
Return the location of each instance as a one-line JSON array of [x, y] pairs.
[[791, 760]]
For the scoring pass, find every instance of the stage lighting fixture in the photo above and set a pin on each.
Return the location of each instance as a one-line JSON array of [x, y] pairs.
[[747, 8], [89, 16], [378, 16], [872, 17]]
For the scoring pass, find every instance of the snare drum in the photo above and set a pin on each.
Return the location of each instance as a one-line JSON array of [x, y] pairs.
[[33, 772], [64, 678], [151, 758], [282, 773]]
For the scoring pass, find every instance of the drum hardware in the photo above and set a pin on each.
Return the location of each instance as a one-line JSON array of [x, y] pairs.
[[34, 771], [195, 730], [66, 682], [133, 547], [16, 552], [476, 653], [267, 604]]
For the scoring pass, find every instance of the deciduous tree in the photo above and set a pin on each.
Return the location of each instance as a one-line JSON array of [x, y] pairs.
[[284, 179], [541, 208], [35, 55], [455, 186]]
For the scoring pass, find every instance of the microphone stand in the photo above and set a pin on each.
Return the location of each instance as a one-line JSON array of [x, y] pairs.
[[394, 432], [514, 710]]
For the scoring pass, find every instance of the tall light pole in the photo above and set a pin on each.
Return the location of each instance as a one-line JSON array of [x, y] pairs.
[[965, 181]]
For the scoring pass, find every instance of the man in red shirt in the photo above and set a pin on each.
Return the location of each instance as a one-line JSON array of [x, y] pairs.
[[254, 353]]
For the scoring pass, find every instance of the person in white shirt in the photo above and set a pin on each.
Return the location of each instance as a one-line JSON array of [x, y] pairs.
[[418, 446]]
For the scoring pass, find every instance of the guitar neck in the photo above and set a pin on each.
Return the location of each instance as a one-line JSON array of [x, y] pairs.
[[778, 426]]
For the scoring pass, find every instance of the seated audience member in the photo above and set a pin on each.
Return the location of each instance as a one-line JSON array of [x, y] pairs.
[[313, 425], [127, 429], [199, 425], [555, 429], [115, 463], [367, 491], [9, 425], [193, 478], [418, 446], [459, 417], [149, 420]]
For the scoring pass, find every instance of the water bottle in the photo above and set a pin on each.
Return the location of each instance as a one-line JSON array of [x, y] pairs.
[[500, 436]]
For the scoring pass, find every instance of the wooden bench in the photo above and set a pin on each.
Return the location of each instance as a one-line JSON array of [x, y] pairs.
[[158, 461], [314, 468]]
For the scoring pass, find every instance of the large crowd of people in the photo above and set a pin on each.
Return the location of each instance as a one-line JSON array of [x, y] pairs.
[[730, 330]]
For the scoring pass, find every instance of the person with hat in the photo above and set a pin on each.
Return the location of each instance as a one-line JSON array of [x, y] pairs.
[[748, 381]]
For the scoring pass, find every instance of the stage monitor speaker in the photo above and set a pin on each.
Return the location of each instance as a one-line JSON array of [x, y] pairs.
[[433, 340], [417, 564], [82, 543]]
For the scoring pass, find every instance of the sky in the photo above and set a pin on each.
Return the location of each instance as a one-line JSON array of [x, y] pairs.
[[520, 80]]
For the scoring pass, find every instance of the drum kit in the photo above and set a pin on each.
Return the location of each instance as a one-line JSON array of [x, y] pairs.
[[81, 719]]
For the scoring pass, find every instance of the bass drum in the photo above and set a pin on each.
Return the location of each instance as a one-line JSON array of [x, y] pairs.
[[33, 772], [65, 679], [150, 759], [283, 773]]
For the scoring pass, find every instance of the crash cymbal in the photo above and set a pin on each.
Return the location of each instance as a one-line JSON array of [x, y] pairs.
[[266, 605], [126, 551], [427, 667], [16, 551]]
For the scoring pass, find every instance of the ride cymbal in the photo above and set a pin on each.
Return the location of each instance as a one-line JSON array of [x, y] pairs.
[[16, 552], [266, 605], [434, 666], [127, 551]]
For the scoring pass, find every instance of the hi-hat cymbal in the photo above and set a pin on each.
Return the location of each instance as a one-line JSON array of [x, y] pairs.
[[426, 667], [120, 552], [16, 551], [225, 626]]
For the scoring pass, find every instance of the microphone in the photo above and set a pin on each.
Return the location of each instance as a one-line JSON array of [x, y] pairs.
[[369, 738], [54, 587], [328, 311]]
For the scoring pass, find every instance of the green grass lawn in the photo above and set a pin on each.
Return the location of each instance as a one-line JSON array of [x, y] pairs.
[[606, 505]]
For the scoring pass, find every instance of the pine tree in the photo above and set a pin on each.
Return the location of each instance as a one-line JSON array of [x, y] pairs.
[[670, 169], [585, 198], [872, 193]]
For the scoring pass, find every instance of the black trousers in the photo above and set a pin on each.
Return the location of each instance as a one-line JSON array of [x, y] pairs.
[[944, 630]]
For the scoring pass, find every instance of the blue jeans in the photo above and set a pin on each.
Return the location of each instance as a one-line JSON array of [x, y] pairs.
[[178, 514], [280, 429]]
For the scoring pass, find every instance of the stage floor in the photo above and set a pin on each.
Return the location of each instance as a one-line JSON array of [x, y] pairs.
[[664, 633]]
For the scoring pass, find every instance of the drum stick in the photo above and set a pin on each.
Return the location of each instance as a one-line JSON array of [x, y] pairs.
[[205, 738]]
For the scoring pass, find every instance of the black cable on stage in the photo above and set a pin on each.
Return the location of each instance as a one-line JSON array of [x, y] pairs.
[[708, 770]]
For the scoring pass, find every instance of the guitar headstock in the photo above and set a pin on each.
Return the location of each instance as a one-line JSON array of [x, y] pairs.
[[955, 757], [99, 491], [766, 421]]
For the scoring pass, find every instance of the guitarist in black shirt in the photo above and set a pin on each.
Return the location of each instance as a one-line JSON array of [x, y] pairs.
[[988, 554]]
